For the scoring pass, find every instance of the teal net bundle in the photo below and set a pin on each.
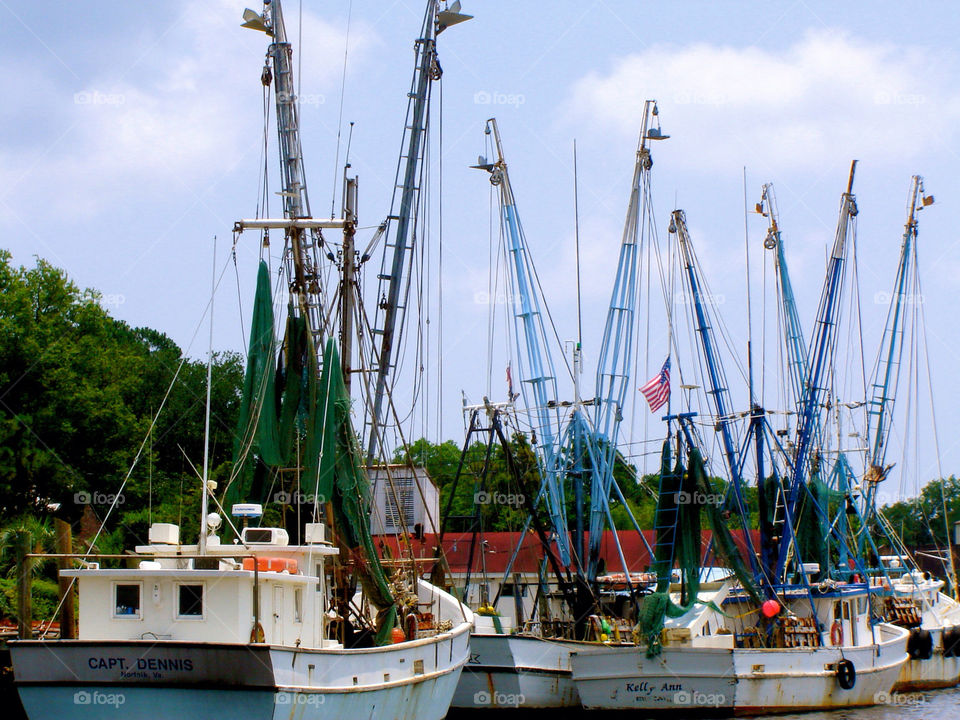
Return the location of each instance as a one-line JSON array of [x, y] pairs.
[[683, 494], [285, 399]]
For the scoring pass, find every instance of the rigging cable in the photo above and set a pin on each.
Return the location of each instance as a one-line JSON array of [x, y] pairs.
[[491, 267], [746, 252], [440, 269], [343, 85]]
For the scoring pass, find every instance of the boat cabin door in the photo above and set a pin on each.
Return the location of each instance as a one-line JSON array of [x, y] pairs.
[[844, 615], [277, 615]]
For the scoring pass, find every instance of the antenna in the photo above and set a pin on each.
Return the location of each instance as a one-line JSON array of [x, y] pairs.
[[746, 247], [576, 226], [204, 501], [576, 230]]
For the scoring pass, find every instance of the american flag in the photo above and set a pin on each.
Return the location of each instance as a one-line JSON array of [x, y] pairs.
[[510, 393], [657, 391]]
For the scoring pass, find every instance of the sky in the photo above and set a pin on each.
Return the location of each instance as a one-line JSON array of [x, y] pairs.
[[132, 136]]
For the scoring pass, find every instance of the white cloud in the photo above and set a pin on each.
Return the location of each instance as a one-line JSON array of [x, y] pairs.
[[177, 109], [827, 95]]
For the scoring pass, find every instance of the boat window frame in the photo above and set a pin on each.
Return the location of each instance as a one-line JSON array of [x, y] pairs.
[[203, 600], [298, 605], [114, 586], [510, 589]]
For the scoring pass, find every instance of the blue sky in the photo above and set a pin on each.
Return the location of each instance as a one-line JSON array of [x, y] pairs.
[[132, 133]]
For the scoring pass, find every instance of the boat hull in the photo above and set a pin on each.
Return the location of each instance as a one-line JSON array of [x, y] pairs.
[[517, 672], [708, 680], [937, 671], [796, 679], [170, 680], [624, 678]]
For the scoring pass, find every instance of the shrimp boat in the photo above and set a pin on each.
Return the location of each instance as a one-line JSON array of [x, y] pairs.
[[707, 666], [916, 601], [795, 629], [524, 662], [729, 653], [268, 625], [236, 628]]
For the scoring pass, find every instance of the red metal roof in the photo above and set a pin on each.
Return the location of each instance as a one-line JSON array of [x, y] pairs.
[[499, 546]]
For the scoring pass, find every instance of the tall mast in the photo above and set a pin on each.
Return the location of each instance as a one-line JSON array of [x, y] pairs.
[[716, 378], [792, 329], [537, 372], [204, 497], [615, 362], [348, 280], [885, 381], [303, 240], [821, 357], [401, 237], [886, 377]]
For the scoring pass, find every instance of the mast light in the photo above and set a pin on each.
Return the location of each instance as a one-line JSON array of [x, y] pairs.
[[254, 21], [451, 16]]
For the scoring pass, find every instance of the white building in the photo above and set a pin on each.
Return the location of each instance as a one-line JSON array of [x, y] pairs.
[[403, 498]]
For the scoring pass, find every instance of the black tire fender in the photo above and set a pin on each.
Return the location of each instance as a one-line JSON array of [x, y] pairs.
[[951, 641], [920, 644], [846, 674]]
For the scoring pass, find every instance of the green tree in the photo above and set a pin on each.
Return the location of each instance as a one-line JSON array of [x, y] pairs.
[[78, 392]]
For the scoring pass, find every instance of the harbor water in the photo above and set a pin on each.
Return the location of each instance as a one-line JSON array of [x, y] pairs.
[[939, 705]]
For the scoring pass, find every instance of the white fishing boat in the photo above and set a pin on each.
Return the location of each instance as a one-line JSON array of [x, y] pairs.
[[516, 670], [707, 666], [918, 603], [526, 663], [254, 626], [796, 635], [239, 629]]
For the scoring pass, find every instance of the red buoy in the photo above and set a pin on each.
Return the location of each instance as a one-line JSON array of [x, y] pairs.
[[770, 608]]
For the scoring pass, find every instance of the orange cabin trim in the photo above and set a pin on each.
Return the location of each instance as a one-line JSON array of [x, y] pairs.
[[267, 564]]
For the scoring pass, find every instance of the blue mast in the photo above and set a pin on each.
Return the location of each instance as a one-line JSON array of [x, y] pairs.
[[887, 375], [793, 331], [821, 358], [615, 362], [538, 380], [717, 391]]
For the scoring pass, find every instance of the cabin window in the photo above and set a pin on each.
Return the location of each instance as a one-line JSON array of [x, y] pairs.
[[126, 600], [510, 589], [298, 605], [190, 601]]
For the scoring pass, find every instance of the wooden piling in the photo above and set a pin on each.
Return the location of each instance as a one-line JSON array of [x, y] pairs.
[[68, 616], [24, 585]]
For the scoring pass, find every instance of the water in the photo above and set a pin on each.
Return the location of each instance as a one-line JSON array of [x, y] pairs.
[[934, 705]]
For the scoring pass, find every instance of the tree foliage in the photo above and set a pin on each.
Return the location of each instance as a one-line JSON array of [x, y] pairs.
[[78, 392], [919, 521]]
